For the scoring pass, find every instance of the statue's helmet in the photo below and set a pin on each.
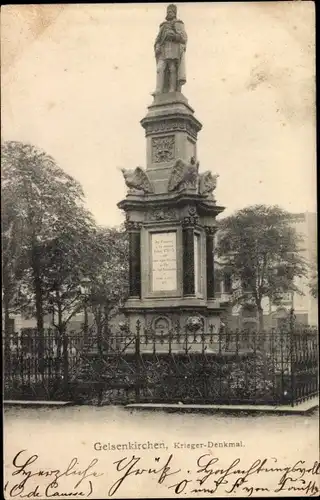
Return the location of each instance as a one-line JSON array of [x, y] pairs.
[[172, 9]]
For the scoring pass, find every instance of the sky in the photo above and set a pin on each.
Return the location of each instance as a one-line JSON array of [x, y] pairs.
[[77, 80]]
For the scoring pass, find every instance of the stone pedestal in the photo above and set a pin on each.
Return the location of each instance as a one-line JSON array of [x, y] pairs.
[[171, 230], [171, 132]]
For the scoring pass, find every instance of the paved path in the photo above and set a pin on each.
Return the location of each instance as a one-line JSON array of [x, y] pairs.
[[300, 409], [17, 402]]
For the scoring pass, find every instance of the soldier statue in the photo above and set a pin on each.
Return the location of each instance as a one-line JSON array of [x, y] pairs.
[[170, 47]]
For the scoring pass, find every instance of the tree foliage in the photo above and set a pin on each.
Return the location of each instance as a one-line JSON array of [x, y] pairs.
[[47, 204], [110, 281], [74, 254], [51, 241], [313, 284], [259, 247], [14, 265]]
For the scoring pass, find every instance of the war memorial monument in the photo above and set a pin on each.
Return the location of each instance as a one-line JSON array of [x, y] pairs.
[[171, 348], [170, 207]]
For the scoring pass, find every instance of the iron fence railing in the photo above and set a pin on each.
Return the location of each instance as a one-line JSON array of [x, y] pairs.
[[275, 367]]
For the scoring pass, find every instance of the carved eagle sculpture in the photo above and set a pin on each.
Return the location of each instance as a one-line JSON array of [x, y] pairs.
[[184, 175], [207, 182], [137, 179]]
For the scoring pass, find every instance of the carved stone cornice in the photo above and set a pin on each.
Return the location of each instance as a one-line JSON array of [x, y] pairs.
[[190, 221], [205, 207], [210, 230], [131, 225], [162, 214], [166, 125]]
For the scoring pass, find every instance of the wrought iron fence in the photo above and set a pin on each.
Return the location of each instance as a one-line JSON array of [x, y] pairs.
[[40, 366], [230, 367]]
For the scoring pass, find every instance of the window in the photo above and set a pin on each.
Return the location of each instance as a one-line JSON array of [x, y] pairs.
[[246, 286], [286, 297], [28, 339], [217, 281], [249, 311], [227, 282]]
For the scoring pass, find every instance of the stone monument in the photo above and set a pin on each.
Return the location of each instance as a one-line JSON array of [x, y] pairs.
[[170, 207]]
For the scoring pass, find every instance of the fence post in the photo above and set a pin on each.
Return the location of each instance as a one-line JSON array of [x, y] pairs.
[[65, 364], [99, 342], [273, 363], [292, 353], [281, 334], [186, 333], [137, 356], [170, 340]]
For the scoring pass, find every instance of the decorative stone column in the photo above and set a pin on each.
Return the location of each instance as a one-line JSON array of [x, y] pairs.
[[134, 233], [188, 224], [210, 232]]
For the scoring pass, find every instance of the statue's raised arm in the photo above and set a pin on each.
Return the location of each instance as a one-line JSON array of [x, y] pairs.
[[170, 47]]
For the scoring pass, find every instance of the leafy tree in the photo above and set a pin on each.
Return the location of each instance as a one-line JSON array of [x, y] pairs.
[[48, 206], [13, 264], [52, 242], [260, 249], [74, 254], [313, 284], [110, 280]]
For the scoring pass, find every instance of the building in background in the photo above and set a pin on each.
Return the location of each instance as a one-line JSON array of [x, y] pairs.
[[305, 306]]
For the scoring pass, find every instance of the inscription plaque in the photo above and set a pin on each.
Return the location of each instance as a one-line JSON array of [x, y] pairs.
[[164, 261]]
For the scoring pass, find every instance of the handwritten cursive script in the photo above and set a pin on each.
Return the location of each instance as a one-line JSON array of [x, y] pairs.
[[128, 467], [206, 475], [47, 482]]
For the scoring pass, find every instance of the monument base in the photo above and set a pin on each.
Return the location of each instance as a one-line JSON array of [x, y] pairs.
[[172, 315]]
